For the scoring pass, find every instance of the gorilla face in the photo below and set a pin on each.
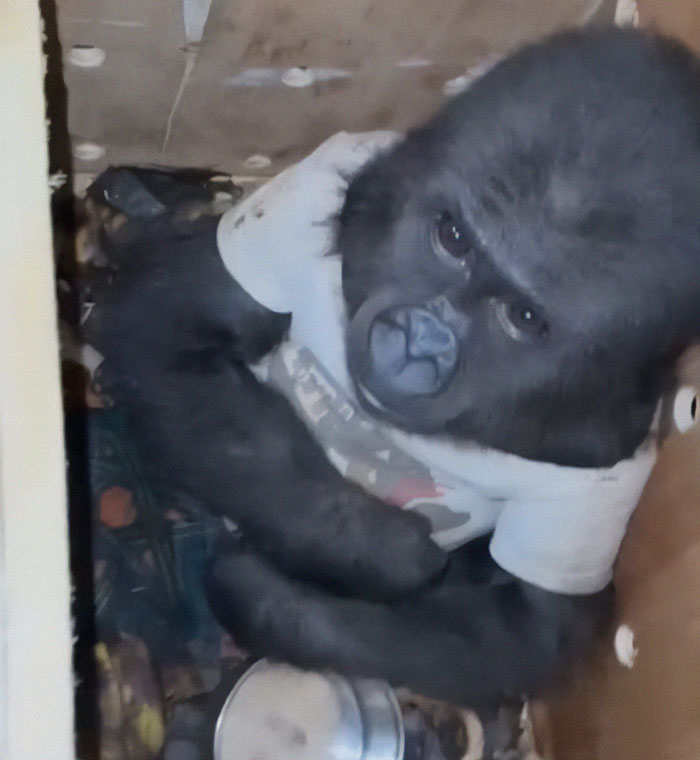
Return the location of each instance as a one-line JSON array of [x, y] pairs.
[[520, 271]]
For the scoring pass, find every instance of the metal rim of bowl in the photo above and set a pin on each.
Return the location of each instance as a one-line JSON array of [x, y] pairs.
[[392, 706]]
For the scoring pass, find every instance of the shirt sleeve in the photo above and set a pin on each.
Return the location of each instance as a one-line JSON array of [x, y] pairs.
[[273, 239], [566, 540]]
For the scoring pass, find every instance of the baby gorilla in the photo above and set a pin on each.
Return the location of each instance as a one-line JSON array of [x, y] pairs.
[[518, 278]]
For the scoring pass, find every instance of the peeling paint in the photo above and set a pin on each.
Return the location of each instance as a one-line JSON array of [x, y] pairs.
[[627, 13], [625, 651], [463, 82], [257, 161], [685, 408], [86, 56], [125, 24], [295, 77], [526, 743], [88, 151], [57, 180], [414, 63]]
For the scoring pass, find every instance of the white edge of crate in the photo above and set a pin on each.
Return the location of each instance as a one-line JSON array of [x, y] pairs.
[[36, 688]]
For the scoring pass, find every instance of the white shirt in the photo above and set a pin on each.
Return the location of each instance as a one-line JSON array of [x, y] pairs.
[[557, 527]]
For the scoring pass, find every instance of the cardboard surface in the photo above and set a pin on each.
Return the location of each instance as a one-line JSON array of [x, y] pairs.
[[651, 710], [387, 62], [677, 18], [395, 59]]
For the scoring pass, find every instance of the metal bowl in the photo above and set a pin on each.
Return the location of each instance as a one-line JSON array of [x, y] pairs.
[[279, 712]]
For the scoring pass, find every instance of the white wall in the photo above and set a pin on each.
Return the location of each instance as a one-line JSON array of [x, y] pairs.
[[35, 635]]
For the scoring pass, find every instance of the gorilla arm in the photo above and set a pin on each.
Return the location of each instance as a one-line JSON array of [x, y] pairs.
[[178, 332], [239, 447], [479, 636]]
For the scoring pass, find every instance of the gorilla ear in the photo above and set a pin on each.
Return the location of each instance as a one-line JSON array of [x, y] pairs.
[[368, 194], [375, 193]]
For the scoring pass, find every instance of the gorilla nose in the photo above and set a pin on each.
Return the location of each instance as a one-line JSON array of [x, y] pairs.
[[413, 351]]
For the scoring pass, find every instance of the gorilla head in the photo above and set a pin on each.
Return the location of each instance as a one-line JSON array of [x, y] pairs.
[[522, 271]]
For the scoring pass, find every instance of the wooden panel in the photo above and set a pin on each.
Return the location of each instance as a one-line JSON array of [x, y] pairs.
[[124, 104], [680, 18], [650, 711], [36, 715]]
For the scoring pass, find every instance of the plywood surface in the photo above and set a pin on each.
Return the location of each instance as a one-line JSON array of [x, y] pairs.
[[389, 61]]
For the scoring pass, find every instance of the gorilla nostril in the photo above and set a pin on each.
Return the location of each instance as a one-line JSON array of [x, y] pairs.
[[428, 336], [398, 317]]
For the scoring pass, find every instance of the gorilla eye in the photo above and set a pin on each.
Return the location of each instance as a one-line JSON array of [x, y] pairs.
[[451, 243], [521, 321]]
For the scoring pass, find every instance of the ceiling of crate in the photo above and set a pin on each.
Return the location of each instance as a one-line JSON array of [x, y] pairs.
[[270, 79]]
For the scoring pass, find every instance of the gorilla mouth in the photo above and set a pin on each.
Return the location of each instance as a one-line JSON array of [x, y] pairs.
[[412, 352]]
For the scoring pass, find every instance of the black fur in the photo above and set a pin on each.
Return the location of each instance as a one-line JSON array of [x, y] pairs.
[[572, 170], [573, 167]]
